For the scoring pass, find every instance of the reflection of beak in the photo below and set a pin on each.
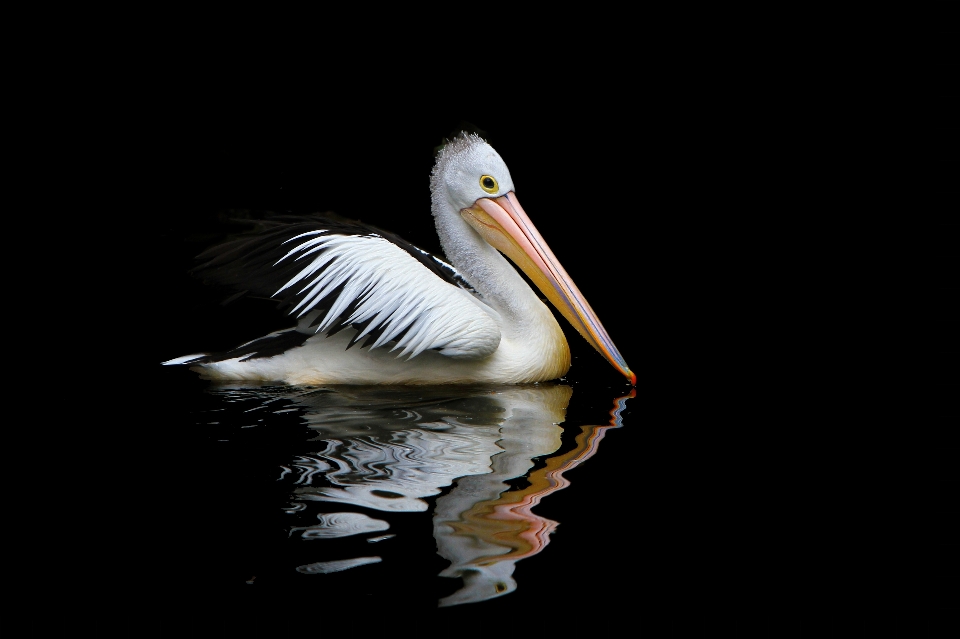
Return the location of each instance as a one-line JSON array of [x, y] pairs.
[[504, 225]]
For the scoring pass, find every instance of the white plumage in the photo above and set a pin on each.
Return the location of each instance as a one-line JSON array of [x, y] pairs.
[[375, 274]]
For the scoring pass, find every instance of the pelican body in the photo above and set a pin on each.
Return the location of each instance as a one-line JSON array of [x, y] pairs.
[[371, 308]]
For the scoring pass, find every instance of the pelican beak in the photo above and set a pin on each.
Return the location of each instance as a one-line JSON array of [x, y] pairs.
[[505, 226]]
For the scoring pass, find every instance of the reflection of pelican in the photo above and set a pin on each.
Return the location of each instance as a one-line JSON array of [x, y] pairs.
[[389, 450], [484, 538], [415, 318]]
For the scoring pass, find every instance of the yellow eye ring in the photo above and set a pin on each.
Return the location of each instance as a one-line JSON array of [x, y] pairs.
[[489, 183]]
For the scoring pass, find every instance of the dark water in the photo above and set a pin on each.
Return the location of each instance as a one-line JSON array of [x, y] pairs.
[[398, 499]]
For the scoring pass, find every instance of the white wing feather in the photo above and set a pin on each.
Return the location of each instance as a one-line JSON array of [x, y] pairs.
[[392, 290]]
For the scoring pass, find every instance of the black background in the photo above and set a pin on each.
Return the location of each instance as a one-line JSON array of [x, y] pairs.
[[717, 233]]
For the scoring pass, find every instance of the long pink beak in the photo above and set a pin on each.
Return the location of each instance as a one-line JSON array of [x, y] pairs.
[[503, 223]]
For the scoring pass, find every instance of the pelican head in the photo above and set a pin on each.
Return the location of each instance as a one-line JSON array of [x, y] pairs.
[[477, 213]]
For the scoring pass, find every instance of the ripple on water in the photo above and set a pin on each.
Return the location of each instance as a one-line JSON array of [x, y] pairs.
[[326, 567], [342, 525]]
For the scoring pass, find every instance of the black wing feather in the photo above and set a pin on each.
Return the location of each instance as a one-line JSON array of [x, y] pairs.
[[249, 263]]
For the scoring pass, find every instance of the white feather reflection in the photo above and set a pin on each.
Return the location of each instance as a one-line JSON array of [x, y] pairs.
[[400, 450], [373, 540], [326, 567], [341, 525]]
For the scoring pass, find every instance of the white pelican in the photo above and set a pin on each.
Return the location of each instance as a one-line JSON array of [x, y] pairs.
[[414, 318]]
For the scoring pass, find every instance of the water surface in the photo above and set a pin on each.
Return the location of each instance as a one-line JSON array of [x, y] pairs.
[[413, 498]]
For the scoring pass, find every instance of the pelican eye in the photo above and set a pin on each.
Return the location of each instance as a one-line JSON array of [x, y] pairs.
[[488, 184]]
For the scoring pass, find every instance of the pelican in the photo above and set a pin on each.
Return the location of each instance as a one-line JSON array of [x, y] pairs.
[[371, 308]]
